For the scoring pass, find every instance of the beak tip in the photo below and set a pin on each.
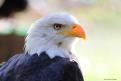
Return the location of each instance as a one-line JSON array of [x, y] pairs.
[[79, 32], [83, 37]]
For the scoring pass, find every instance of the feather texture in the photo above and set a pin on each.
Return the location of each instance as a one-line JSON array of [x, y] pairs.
[[25, 67]]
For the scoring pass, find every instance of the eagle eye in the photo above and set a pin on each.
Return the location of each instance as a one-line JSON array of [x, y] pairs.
[[57, 26]]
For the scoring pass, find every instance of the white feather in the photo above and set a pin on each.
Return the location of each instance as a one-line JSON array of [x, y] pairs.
[[42, 37]]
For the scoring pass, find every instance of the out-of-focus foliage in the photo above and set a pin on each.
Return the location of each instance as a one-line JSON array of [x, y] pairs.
[[9, 7]]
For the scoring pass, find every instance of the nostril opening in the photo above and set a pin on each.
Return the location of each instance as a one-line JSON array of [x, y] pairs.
[[74, 27]]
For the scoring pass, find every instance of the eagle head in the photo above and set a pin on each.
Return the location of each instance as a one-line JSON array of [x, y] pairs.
[[53, 34]]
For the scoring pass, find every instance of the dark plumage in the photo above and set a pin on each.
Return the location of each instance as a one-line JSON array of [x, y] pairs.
[[24, 67]]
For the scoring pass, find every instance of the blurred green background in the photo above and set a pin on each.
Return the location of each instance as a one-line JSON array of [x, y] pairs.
[[99, 55]]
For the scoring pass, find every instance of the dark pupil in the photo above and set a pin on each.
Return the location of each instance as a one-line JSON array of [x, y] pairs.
[[57, 26]]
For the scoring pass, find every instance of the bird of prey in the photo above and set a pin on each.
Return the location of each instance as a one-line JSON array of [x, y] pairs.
[[48, 55]]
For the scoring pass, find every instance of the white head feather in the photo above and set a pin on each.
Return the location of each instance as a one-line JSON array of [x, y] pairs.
[[42, 37]]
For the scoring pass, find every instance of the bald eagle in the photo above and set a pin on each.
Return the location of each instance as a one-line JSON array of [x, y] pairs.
[[47, 55]]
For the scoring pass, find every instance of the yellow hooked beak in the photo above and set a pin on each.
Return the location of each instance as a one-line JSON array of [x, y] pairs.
[[74, 31]]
